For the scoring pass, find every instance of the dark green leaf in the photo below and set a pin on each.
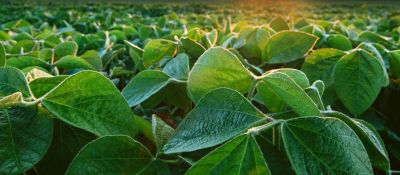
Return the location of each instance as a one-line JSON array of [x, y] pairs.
[[218, 67], [111, 155], [220, 115], [324, 146], [90, 101], [25, 136], [287, 46], [358, 79], [241, 155]]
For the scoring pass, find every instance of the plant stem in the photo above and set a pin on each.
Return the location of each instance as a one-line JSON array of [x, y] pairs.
[[258, 129]]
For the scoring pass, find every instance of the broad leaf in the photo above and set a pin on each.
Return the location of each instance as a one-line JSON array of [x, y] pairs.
[[220, 115], [287, 46], [358, 78], [144, 85], [279, 24], [241, 155], [90, 101], [324, 146], [93, 58], [340, 42], [178, 67], [288, 91], [43, 85], [157, 49], [12, 80], [73, 62], [111, 155], [64, 49], [320, 65], [191, 47], [25, 136], [369, 137], [218, 67], [26, 61]]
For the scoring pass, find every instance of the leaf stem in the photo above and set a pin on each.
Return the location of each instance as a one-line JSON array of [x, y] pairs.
[[258, 129]]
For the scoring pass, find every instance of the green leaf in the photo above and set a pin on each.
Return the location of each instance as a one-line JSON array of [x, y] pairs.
[[369, 137], [279, 24], [90, 101], [320, 65], [161, 131], [64, 49], [241, 155], [255, 39], [12, 80], [66, 143], [191, 47], [25, 136], [372, 37], [324, 146], [144, 85], [73, 62], [156, 49], [298, 76], [358, 78], [111, 155], [178, 67], [220, 115], [93, 58], [287, 46], [2, 56], [340, 42], [288, 91], [26, 61], [218, 67], [43, 85]]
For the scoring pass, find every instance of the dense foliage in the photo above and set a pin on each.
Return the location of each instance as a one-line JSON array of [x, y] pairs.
[[200, 89]]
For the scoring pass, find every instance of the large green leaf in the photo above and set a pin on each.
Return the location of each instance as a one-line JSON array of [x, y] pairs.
[[324, 146], [218, 67], [144, 85], [320, 65], [25, 136], [338, 41], [191, 47], [369, 137], [111, 155], [157, 49], [65, 48], [178, 67], [220, 115], [12, 80], [288, 46], [26, 61], [73, 62], [358, 79], [255, 39], [241, 155], [90, 101], [288, 91], [93, 58], [2, 56], [43, 85], [279, 24]]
